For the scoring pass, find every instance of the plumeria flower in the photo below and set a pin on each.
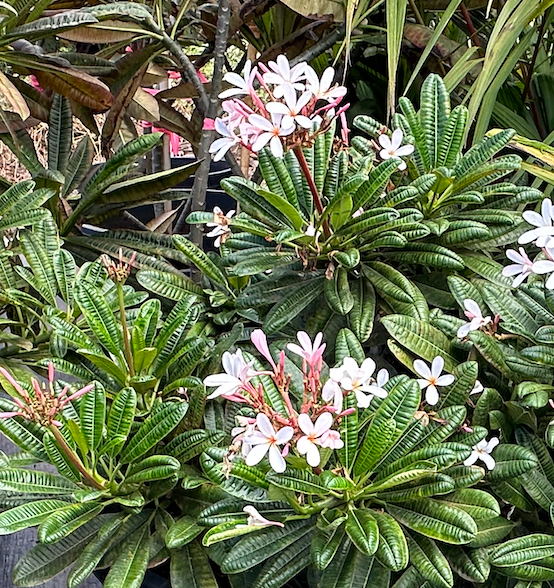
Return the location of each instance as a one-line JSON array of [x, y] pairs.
[[237, 374], [545, 266], [431, 378], [376, 385], [292, 110], [307, 444], [285, 78], [246, 427], [358, 212], [477, 388], [258, 337], [310, 352], [255, 519], [544, 230], [392, 147], [265, 440], [331, 439], [475, 316], [228, 139], [221, 224], [243, 85], [270, 131], [358, 380], [483, 451], [522, 267], [321, 87], [332, 392]]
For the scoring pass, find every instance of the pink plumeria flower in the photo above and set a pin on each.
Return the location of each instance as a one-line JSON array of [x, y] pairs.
[[243, 85], [267, 439], [228, 139], [258, 337], [477, 388], [392, 147], [255, 519], [358, 212], [321, 87], [237, 374], [283, 77], [475, 316], [331, 440], [310, 352], [220, 226], [522, 267], [483, 451], [357, 379], [544, 231], [237, 113], [292, 110], [307, 444], [431, 378], [270, 131]]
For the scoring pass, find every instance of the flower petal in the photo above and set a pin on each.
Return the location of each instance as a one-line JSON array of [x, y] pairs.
[[432, 395], [276, 460], [305, 423], [256, 454], [437, 366], [422, 369], [264, 425], [324, 423]]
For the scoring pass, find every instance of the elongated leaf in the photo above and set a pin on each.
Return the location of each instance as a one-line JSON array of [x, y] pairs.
[[190, 568], [93, 413], [66, 520], [363, 531], [130, 567], [27, 515]]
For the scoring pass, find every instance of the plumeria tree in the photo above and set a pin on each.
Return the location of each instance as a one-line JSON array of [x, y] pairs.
[[355, 475]]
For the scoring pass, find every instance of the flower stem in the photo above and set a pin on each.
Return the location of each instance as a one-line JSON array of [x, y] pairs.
[[68, 452], [126, 337], [313, 188]]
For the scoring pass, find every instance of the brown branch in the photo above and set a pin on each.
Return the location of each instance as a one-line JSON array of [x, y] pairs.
[[470, 26]]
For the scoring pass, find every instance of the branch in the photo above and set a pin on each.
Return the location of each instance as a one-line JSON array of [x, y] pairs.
[[200, 186], [320, 47]]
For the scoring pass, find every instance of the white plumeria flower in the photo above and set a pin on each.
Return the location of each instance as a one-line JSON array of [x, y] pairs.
[[265, 440], [283, 77], [475, 316], [483, 451], [220, 225], [237, 373], [243, 85], [431, 378], [358, 380], [292, 110], [270, 131], [544, 231], [376, 385], [332, 392], [478, 387], [246, 427], [321, 88], [228, 139], [522, 267], [255, 519], [392, 147], [310, 352], [545, 266], [358, 212], [307, 444]]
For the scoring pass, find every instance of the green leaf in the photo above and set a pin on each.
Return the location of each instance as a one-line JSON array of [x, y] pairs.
[[337, 292], [511, 461], [66, 520], [363, 311], [34, 482], [60, 128], [155, 428], [436, 520], [490, 531], [256, 548], [523, 550], [477, 503], [93, 413], [421, 338], [200, 260], [298, 481], [393, 548], [376, 442], [325, 545], [27, 515], [465, 375], [44, 561], [428, 560], [349, 433], [182, 532], [362, 529], [190, 568], [120, 418], [347, 345], [130, 567], [168, 284]]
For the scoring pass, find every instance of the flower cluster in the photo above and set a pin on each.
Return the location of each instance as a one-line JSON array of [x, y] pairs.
[[311, 428], [291, 106], [43, 404], [543, 237]]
